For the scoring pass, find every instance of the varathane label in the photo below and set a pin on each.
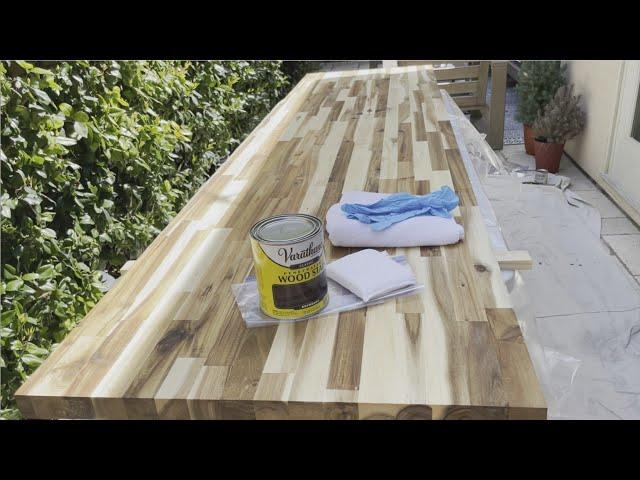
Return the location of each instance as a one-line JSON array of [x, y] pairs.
[[291, 278]]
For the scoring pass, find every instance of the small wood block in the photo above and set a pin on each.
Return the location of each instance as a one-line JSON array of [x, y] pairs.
[[514, 260]]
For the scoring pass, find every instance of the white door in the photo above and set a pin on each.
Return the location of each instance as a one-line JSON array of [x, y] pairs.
[[624, 166]]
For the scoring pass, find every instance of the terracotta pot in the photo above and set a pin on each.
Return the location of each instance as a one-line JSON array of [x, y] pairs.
[[548, 155], [529, 135]]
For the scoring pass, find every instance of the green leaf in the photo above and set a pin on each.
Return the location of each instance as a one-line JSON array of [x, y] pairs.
[[142, 163], [48, 232], [36, 350], [86, 220], [30, 276], [66, 109], [47, 287], [14, 285], [42, 96], [26, 65], [46, 271], [83, 267], [37, 160], [81, 117], [80, 130], [31, 360], [41, 71], [9, 269], [66, 141], [32, 199]]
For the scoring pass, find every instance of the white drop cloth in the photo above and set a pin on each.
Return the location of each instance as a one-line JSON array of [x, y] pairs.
[[578, 308]]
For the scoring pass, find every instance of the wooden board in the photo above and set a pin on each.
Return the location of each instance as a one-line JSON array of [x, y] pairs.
[[514, 260], [168, 340]]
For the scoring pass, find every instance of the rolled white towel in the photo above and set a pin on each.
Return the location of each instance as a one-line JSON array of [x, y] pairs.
[[413, 232]]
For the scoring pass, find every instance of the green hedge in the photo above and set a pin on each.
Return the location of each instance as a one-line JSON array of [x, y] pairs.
[[97, 157]]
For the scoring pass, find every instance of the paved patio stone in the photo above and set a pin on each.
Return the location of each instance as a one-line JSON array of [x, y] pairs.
[[579, 181], [600, 201], [618, 226], [627, 248]]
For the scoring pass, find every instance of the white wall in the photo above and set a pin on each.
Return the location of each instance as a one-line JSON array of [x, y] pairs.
[[598, 81]]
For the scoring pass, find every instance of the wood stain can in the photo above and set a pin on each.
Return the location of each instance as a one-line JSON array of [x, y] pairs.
[[288, 253]]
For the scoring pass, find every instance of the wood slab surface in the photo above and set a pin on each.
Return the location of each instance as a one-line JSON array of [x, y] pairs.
[[168, 341]]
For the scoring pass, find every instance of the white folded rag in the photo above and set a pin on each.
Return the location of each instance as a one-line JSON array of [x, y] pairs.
[[370, 274], [424, 230]]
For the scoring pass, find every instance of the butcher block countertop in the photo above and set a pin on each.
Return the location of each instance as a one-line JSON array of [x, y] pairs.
[[168, 341]]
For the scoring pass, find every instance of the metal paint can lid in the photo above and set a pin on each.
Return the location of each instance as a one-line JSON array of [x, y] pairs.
[[284, 229]]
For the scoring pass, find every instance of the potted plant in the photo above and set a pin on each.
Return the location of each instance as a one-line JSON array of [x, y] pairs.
[[538, 81], [561, 120]]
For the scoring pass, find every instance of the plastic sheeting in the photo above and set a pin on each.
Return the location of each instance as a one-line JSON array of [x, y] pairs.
[[579, 309], [340, 300]]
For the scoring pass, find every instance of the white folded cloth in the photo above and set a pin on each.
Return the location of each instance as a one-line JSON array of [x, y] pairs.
[[424, 230], [370, 274]]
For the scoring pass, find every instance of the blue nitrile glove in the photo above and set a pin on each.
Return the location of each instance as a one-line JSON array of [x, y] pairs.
[[400, 206]]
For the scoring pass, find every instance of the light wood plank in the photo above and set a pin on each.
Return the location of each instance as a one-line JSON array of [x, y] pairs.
[[514, 260]]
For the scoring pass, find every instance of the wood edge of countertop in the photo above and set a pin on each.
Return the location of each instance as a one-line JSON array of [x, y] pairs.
[[58, 407]]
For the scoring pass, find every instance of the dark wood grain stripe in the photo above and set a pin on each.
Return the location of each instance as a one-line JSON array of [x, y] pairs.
[[461, 182], [346, 360], [447, 133], [436, 151], [430, 251], [246, 368]]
